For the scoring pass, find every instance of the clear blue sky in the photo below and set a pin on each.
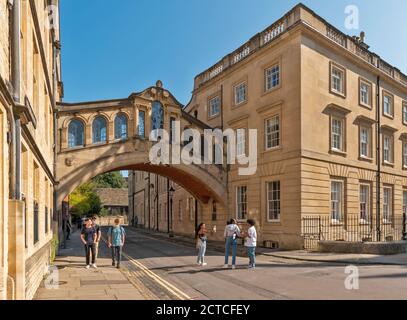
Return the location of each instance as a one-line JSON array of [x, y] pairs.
[[113, 48]]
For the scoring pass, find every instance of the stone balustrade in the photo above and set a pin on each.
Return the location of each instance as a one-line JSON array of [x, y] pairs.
[[299, 14]]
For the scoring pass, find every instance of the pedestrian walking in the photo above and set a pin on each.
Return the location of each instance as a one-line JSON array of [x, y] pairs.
[[88, 237], [68, 229], [98, 235], [232, 232], [201, 240], [116, 237], [251, 243]]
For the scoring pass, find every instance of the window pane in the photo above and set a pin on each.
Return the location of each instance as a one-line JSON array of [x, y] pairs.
[[337, 134], [141, 124], [273, 200], [364, 202], [214, 106], [337, 80], [120, 127], [273, 132], [241, 202], [99, 130], [272, 77], [76, 134], [240, 93], [336, 201]]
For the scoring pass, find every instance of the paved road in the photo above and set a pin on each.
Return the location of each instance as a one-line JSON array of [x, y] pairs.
[[167, 270]]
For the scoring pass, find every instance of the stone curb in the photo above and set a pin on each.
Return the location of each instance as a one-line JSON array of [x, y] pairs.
[[368, 262]]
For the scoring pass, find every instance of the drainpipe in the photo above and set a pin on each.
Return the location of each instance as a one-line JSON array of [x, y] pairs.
[[378, 157], [157, 204], [168, 206], [149, 201], [15, 164], [54, 111]]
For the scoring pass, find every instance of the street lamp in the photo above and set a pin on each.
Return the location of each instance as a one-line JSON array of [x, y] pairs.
[[171, 193]]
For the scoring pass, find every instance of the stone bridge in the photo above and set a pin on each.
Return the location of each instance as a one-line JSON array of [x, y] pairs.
[[111, 135]]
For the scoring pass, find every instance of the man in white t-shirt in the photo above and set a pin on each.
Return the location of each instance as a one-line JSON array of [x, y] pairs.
[[251, 243]]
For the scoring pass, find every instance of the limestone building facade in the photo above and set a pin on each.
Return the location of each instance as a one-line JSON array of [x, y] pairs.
[[30, 85], [323, 104]]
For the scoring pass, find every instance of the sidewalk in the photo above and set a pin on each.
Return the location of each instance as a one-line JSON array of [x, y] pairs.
[[300, 255], [78, 283]]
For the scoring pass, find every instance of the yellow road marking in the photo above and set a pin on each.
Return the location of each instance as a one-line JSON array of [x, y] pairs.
[[171, 288]]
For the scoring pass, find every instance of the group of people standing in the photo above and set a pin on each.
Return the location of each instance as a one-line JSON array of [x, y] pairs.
[[232, 233], [91, 236]]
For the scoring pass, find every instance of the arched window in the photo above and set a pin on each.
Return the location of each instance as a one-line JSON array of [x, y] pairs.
[[120, 127], [76, 134], [99, 131], [157, 117]]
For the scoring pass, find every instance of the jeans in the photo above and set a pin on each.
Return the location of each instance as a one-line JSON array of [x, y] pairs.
[[251, 252], [90, 249], [96, 250], [201, 252], [230, 241], [117, 254]]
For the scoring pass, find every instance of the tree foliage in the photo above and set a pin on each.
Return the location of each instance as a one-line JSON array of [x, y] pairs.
[[85, 201], [110, 180]]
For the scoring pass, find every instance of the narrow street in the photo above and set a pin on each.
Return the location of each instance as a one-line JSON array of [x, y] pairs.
[[168, 271]]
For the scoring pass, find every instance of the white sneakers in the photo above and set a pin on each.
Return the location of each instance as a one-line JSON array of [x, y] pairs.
[[226, 266], [233, 267], [94, 266], [88, 266], [204, 264]]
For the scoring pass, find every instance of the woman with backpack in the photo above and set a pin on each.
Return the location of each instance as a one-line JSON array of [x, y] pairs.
[[201, 240]]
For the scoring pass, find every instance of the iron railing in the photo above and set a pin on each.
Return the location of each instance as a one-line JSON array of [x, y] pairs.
[[352, 228]]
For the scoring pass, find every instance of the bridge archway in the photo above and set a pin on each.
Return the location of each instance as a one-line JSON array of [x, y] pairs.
[[79, 164]]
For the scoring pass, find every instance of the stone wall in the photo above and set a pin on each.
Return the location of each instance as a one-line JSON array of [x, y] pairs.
[[36, 267], [4, 41]]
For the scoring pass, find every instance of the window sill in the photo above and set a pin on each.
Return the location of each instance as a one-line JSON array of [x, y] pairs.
[[367, 159], [267, 91], [337, 93], [338, 152], [213, 117], [336, 223], [388, 116], [363, 105], [272, 149], [388, 164], [235, 106], [274, 222]]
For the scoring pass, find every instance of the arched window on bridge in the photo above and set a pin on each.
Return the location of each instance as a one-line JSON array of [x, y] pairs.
[[120, 127], [76, 134], [157, 117], [99, 130]]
